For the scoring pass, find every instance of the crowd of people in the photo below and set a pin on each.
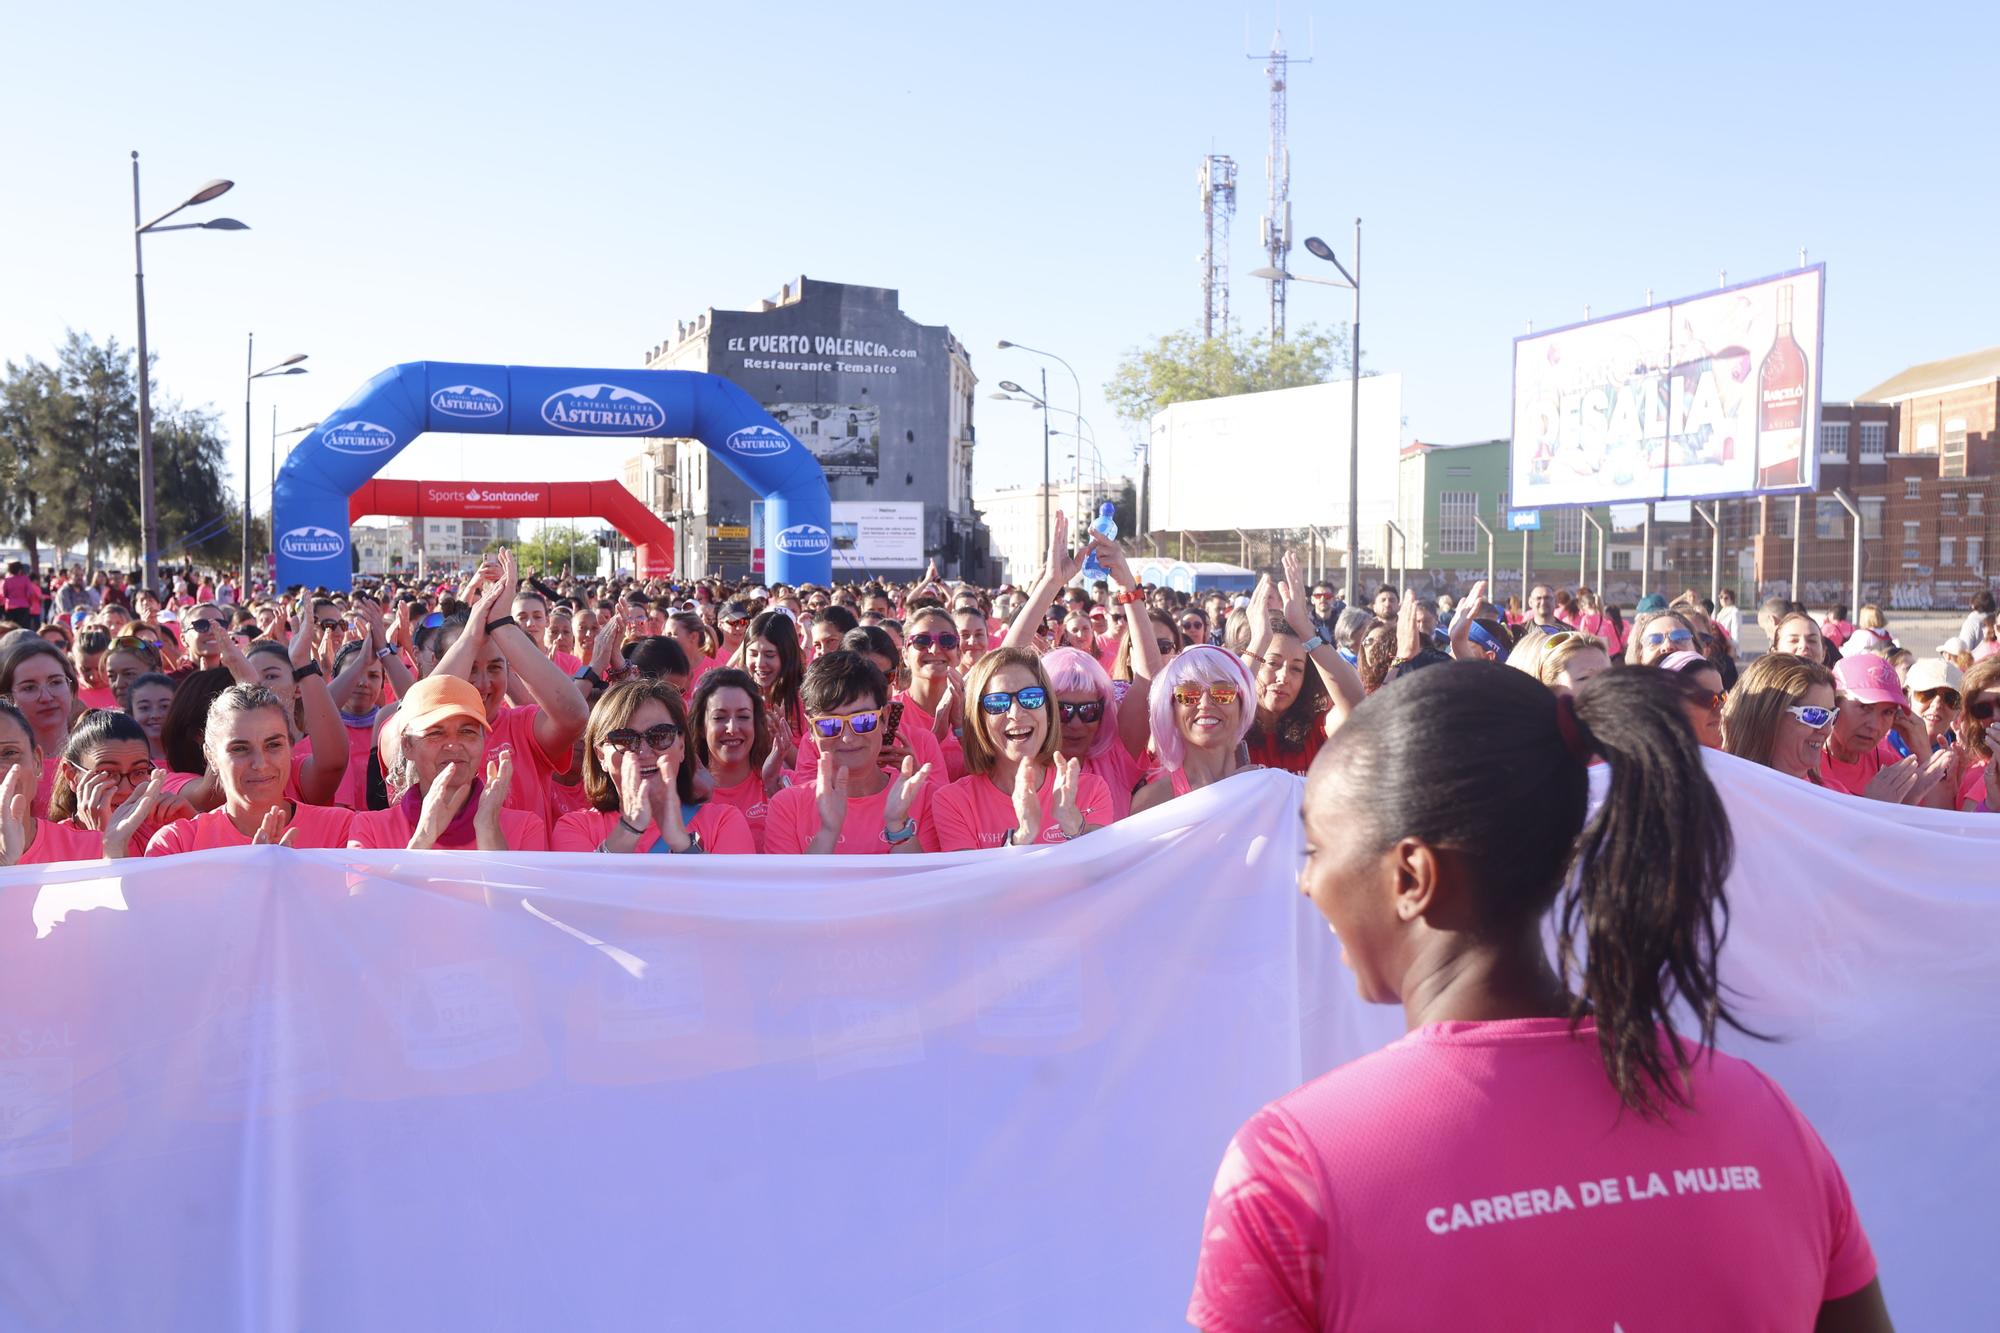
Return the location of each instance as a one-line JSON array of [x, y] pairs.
[[510, 712]]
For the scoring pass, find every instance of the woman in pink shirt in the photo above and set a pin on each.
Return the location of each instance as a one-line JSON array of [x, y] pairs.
[[935, 700], [42, 683], [1203, 705], [858, 803], [437, 795], [1019, 789], [641, 782], [1529, 1155], [248, 744], [26, 839], [730, 738]]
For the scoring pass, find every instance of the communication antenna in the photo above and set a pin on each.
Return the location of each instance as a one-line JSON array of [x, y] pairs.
[[1218, 205], [1277, 224]]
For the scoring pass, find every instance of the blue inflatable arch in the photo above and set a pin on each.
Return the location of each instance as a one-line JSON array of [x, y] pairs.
[[309, 500]]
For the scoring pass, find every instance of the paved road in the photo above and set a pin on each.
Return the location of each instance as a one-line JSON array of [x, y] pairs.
[[1919, 631]]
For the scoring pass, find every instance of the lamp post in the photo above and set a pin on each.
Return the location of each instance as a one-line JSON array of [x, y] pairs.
[[1004, 344], [1043, 403], [1321, 250], [289, 366], [148, 538]]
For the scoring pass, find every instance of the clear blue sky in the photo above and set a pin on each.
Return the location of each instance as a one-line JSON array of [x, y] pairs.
[[559, 184]]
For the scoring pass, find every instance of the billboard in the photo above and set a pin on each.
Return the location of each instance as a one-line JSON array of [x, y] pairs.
[[1277, 459], [870, 536], [846, 439], [1716, 394]]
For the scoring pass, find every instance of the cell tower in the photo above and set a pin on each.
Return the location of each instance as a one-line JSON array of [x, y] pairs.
[[1278, 171], [1218, 205]]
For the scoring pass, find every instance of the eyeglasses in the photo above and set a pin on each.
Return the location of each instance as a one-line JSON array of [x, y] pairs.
[[1983, 708], [1812, 716], [660, 739], [1189, 696], [1947, 694], [999, 701], [947, 642], [1671, 636], [1089, 711], [829, 728], [330, 624], [204, 625]]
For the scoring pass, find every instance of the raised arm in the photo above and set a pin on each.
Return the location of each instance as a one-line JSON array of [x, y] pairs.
[[320, 774], [1461, 624], [1057, 570], [563, 711], [1342, 682], [1135, 719]]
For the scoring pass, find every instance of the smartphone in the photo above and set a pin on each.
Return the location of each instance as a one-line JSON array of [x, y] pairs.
[[894, 716]]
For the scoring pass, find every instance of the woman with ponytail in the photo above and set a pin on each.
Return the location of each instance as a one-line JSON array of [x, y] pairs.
[[1542, 1149]]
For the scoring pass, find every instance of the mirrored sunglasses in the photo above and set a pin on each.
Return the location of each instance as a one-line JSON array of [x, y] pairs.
[[999, 701], [829, 728], [1089, 711], [1813, 716], [927, 641], [1672, 636], [1944, 692], [1189, 696]]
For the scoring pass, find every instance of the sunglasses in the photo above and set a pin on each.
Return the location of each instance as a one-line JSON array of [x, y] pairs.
[[134, 641], [999, 701], [1166, 647], [927, 641], [1193, 627], [1812, 716], [1083, 712], [1950, 697], [829, 728], [1982, 709], [433, 620], [1189, 696], [330, 624], [1674, 636], [204, 625], [660, 739]]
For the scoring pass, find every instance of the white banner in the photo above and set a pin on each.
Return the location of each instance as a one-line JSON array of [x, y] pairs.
[[262, 1089]]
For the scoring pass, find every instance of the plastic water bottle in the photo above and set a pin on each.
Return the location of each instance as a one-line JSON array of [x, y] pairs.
[[1108, 525]]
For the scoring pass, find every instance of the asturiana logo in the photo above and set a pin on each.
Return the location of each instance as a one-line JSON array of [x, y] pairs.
[[603, 409], [757, 442], [359, 437], [805, 539], [467, 400], [310, 543]]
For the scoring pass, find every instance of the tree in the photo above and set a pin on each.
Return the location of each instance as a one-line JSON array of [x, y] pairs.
[[27, 433], [1184, 367], [553, 548], [195, 514], [87, 473]]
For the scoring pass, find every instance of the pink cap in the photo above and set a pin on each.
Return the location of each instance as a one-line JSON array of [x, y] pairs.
[[1869, 679]]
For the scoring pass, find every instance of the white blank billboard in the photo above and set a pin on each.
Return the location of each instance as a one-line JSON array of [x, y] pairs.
[[870, 535], [1277, 460], [1716, 394]]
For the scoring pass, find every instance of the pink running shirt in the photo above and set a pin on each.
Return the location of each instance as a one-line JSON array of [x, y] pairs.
[[748, 798], [61, 842], [386, 830], [1481, 1175], [313, 826], [794, 819], [972, 812], [721, 828]]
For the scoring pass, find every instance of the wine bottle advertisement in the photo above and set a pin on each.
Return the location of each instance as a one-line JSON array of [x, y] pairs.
[[1711, 395]]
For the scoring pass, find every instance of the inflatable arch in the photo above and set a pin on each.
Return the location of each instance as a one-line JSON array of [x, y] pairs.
[[310, 500], [608, 500]]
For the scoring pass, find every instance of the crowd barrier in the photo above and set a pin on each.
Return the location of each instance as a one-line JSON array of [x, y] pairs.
[[263, 1089]]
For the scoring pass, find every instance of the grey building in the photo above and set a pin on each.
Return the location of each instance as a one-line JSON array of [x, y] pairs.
[[884, 403]]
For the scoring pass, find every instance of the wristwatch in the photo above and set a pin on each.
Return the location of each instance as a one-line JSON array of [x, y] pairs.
[[589, 676], [901, 835], [499, 622], [1314, 642], [309, 669], [384, 651]]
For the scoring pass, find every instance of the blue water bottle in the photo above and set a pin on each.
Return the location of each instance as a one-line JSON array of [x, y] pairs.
[[1106, 524]]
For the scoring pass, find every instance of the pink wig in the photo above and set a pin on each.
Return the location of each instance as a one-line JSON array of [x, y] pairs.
[[1198, 665], [1073, 671]]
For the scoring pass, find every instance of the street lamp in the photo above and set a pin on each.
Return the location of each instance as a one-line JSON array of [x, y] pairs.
[[1043, 403], [215, 189], [1321, 250], [289, 366], [1051, 356]]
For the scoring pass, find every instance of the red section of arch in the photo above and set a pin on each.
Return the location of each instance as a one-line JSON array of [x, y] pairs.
[[607, 500]]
